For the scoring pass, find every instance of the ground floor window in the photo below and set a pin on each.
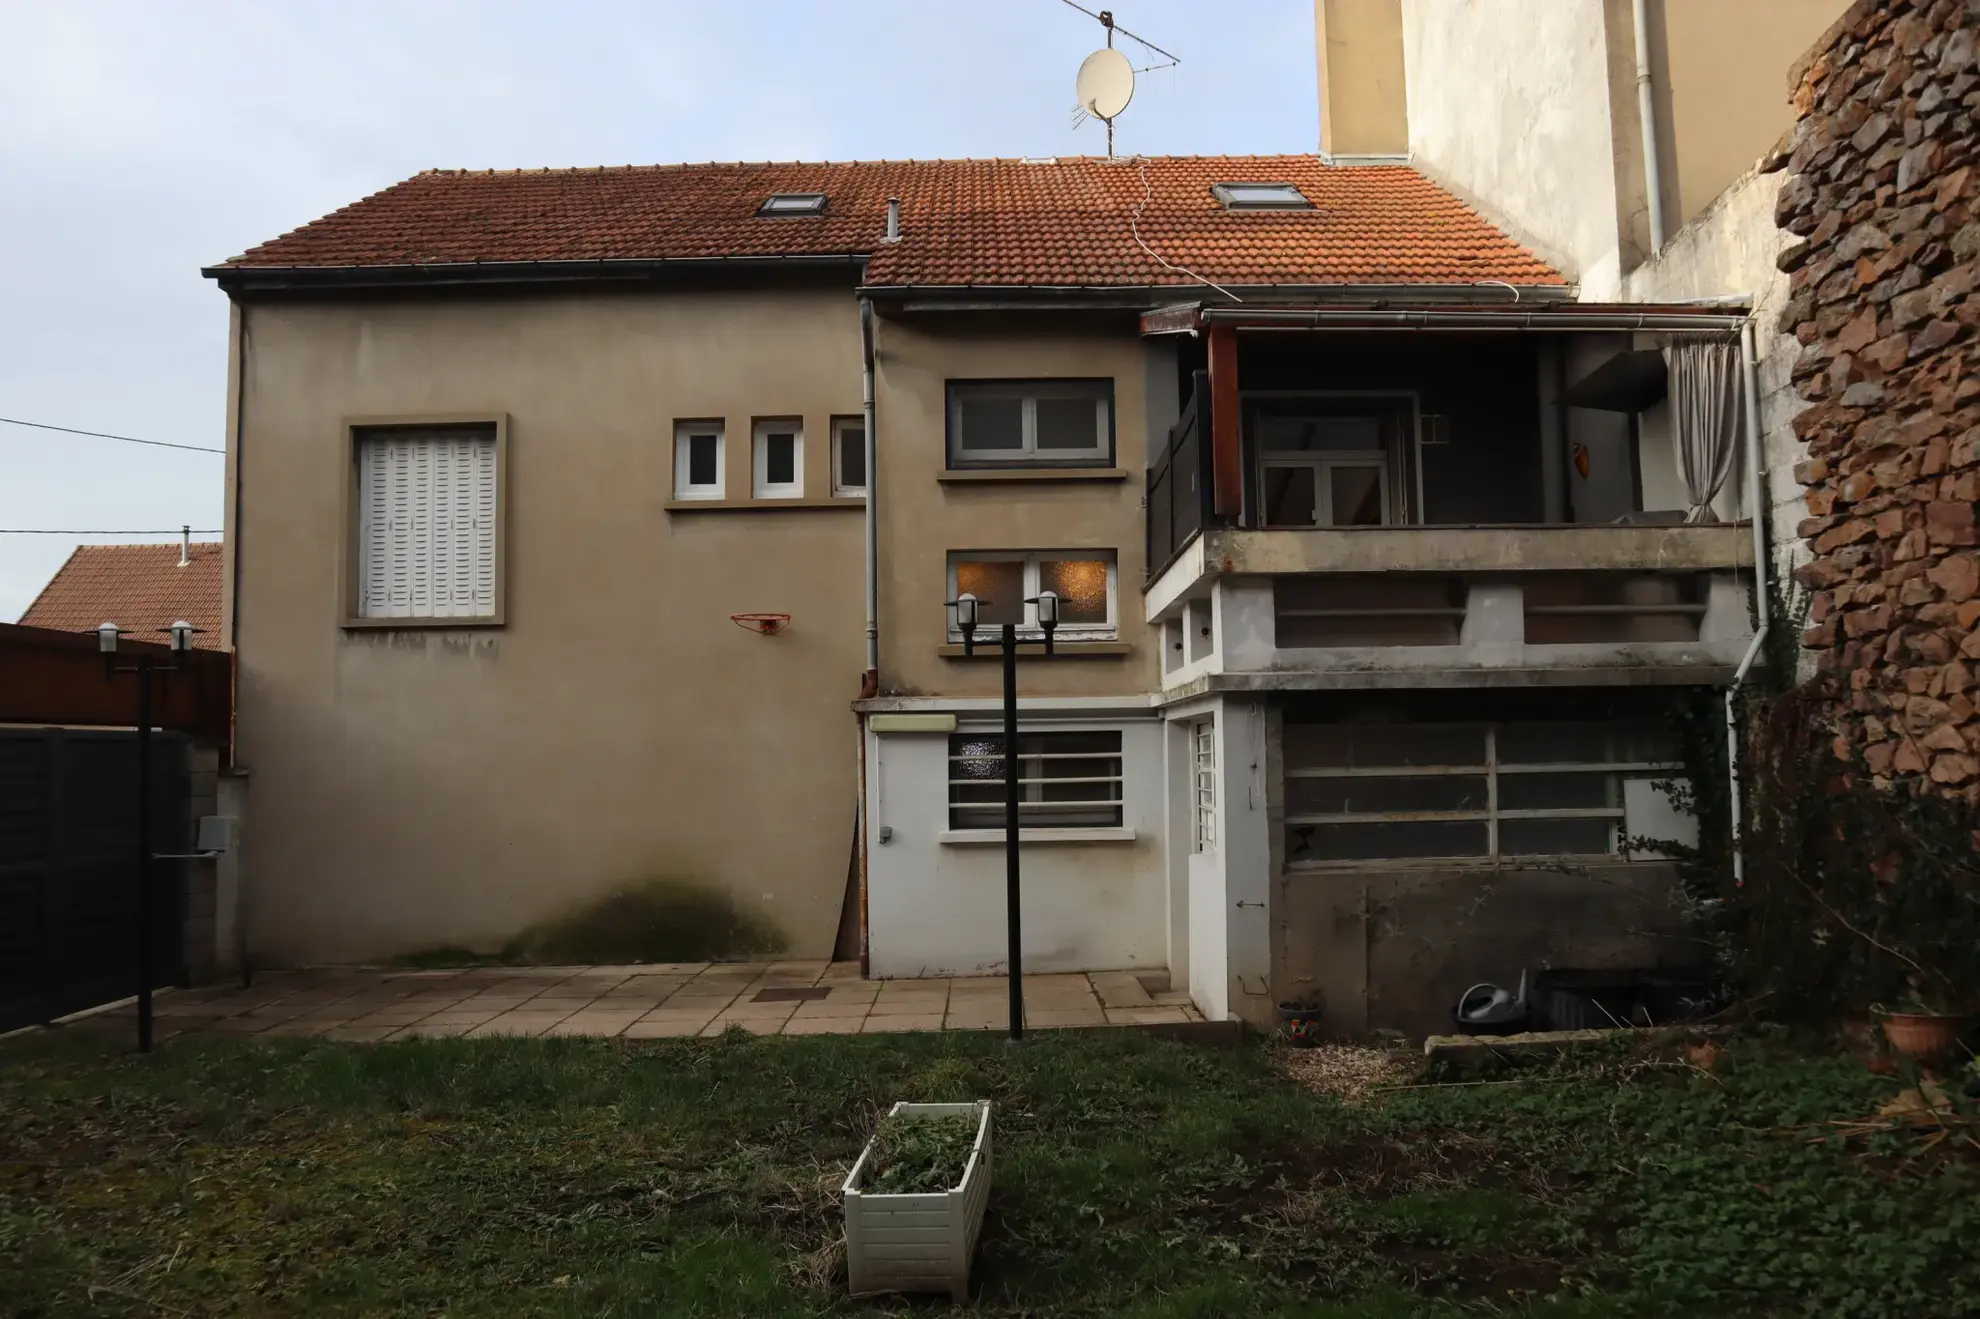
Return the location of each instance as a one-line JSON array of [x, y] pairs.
[[1388, 791], [1203, 747], [1066, 780]]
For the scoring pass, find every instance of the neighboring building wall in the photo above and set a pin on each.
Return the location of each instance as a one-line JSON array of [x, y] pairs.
[[936, 907], [1883, 194], [1724, 98], [417, 787], [1510, 107], [1530, 110], [1363, 103], [923, 518]]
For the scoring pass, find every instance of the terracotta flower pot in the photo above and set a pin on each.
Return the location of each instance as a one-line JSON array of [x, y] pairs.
[[1301, 1023], [1922, 1037]]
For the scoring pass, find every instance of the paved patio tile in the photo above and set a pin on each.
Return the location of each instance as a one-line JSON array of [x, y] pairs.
[[1119, 989], [603, 1024], [754, 1025], [881, 1023], [359, 1034], [656, 1024], [518, 1023], [1043, 1017], [823, 1026], [826, 1009], [1145, 1016]]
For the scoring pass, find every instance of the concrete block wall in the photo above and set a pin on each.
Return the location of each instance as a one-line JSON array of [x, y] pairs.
[[201, 887]]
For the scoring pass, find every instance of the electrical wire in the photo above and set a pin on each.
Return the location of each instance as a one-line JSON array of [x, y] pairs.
[[1134, 227], [104, 435], [68, 531]]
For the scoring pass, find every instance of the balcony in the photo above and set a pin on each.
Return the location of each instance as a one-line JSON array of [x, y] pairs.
[[1430, 512]]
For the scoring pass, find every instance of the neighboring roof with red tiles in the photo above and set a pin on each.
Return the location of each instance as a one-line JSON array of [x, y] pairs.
[[1070, 223], [140, 588]]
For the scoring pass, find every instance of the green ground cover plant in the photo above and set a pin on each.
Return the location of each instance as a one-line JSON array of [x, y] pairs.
[[1134, 1176]]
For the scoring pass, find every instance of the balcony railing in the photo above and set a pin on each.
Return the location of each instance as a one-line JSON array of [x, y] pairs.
[[1179, 481]]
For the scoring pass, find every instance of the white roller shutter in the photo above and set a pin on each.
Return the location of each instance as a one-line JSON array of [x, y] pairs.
[[426, 524]]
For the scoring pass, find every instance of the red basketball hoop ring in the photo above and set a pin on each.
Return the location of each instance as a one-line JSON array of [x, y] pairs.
[[768, 625]]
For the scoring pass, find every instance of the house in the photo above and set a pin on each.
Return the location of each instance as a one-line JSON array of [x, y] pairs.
[[560, 555], [141, 588], [1639, 147]]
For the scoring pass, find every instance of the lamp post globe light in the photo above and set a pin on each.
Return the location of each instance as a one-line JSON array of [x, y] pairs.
[[968, 615]]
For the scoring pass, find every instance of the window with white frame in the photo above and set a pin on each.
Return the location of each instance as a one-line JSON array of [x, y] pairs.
[[1031, 423], [698, 460], [1368, 792], [778, 472], [1066, 780], [1203, 757], [849, 457], [428, 505], [1002, 580]]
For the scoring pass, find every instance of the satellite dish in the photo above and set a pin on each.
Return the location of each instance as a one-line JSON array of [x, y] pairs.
[[1106, 83]]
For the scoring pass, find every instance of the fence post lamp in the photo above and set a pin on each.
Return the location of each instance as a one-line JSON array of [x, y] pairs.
[[968, 613], [181, 634]]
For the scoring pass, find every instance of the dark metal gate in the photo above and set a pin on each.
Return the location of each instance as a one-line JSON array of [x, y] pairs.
[[68, 868]]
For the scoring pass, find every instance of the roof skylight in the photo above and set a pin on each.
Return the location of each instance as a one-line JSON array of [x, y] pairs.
[[793, 203], [1261, 197]]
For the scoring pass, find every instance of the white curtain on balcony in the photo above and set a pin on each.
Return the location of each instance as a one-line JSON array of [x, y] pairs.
[[1704, 398]]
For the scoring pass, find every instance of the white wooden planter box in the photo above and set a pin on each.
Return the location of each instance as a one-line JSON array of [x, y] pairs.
[[919, 1243]]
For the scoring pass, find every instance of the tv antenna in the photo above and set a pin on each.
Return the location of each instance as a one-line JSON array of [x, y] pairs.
[[1106, 77]]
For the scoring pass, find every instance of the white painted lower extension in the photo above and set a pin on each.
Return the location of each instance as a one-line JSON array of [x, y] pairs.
[[1219, 767], [1094, 898]]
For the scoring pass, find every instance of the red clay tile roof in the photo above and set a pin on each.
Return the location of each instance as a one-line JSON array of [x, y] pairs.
[[965, 222], [138, 587]]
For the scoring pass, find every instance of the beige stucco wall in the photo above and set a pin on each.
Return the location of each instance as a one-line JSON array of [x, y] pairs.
[[1726, 91], [412, 788], [922, 518], [1363, 106]]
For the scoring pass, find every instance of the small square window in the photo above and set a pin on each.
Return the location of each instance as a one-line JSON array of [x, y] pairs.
[[1004, 580], [1031, 423], [849, 457], [779, 467], [793, 203], [1068, 779], [1261, 197], [698, 460]]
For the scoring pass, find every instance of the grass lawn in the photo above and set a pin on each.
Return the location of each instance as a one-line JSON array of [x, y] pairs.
[[1133, 1177]]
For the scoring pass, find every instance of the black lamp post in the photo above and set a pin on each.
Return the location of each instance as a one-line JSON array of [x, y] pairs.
[[967, 607], [144, 666]]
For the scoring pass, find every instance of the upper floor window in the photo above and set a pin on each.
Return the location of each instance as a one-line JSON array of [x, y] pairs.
[[698, 460], [1004, 579], [428, 522], [849, 457], [779, 460], [1035, 423]]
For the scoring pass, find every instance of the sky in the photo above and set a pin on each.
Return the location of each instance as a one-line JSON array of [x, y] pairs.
[[141, 141]]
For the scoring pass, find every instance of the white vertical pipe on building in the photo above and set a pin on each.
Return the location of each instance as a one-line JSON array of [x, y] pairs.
[[1646, 109], [1756, 511]]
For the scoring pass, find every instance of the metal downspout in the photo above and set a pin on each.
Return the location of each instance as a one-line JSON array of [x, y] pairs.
[[1757, 514], [1646, 109], [872, 678]]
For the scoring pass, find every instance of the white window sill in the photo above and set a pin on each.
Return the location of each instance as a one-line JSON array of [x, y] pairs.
[[995, 837]]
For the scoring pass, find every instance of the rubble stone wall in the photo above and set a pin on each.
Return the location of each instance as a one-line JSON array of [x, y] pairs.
[[1884, 173]]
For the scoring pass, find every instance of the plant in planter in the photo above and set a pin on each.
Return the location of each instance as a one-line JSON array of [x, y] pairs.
[[1925, 1025], [914, 1201], [1301, 1018]]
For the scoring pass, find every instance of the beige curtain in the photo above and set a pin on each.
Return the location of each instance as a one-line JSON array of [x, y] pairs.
[[1704, 407]]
